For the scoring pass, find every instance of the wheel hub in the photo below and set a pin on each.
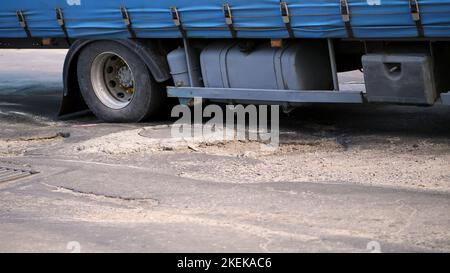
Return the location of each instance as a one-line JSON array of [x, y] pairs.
[[113, 80], [125, 77]]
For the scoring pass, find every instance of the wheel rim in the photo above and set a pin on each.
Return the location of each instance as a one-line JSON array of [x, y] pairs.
[[112, 80]]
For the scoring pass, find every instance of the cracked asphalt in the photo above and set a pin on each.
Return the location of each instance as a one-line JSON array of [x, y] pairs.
[[343, 178]]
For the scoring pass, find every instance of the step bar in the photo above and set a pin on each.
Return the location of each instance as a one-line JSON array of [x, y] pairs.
[[267, 96]]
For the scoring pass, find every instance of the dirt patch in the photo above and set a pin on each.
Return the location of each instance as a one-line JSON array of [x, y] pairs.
[[25, 144], [419, 166], [255, 149], [144, 140], [364, 159], [153, 139]]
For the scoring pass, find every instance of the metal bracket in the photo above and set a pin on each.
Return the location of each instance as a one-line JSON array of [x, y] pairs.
[[332, 56], [127, 20], [23, 23], [229, 19], [345, 12], [286, 15], [177, 21], [194, 74], [62, 23], [415, 13]]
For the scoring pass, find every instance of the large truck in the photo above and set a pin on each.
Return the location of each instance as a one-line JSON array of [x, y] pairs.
[[126, 56]]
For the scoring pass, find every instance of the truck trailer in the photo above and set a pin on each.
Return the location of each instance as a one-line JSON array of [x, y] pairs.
[[126, 56]]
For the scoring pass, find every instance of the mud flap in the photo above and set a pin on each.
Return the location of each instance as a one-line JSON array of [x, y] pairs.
[[73, 103]]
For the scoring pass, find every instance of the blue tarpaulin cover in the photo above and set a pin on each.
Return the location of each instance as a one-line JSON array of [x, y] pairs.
[[205, 18]]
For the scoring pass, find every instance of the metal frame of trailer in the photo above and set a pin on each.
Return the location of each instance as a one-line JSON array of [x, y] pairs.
[[281, 97], [263, 95]]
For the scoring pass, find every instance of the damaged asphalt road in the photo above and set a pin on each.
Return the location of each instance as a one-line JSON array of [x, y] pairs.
[[344, 179]]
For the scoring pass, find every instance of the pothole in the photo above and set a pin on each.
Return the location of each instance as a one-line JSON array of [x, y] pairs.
[[201, 138], [109, 198], [148, 139], [25, 143], [33, 136], [157, 132]]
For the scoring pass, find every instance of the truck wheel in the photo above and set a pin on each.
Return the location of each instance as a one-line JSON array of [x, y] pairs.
[[116, 84]]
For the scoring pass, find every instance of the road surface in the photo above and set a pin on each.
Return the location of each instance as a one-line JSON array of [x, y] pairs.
[[345, 179]]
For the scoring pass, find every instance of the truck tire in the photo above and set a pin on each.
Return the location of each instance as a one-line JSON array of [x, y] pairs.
[[116, 84]]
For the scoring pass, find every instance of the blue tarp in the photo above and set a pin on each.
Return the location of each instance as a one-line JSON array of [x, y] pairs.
[[205, 18]]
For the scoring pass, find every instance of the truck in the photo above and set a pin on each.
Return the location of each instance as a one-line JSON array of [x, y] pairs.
[[126, 57]]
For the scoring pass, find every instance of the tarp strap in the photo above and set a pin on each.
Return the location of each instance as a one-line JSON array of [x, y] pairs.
[[345, 12], [286, 15], [23, 23], [177, 21], [229, 19], [62, 23], [127, 20], [415, 13]]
